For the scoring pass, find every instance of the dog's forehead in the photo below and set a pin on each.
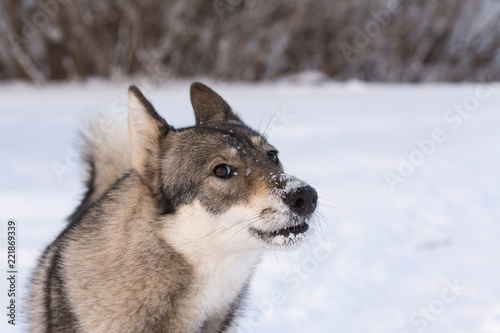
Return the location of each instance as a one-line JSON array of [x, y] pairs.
[[236, 138]]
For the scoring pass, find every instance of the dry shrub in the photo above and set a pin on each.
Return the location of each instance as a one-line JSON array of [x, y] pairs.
[[426, 40]]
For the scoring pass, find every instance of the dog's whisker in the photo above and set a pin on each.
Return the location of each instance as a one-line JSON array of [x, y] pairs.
[[223, 230], [188, 215], [326, 205], [278, 262], [323, 220], [260, 120], [268, 127], [244, 227]]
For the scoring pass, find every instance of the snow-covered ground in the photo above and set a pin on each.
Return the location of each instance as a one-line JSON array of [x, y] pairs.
[[409, 184]]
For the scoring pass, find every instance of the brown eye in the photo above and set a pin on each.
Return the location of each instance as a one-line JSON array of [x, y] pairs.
[[222, 171], [273, 157]]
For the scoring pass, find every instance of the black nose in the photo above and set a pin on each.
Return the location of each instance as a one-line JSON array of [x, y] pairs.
[[303, 200]]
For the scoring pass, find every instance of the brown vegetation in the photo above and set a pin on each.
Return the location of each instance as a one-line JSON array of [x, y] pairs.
[[426, 40]]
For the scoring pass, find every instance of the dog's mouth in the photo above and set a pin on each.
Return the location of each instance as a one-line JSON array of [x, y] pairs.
[[286, 236], [286, 232], [281, 227]]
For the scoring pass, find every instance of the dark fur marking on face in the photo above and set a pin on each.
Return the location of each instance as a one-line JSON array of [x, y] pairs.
[[188, 167], [179, 185], [187, 171]]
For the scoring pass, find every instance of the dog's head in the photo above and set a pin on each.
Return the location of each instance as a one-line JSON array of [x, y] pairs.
[[218, 179]]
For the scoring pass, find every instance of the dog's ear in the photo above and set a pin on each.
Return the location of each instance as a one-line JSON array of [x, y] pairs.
[[146, 127], [209, 106]]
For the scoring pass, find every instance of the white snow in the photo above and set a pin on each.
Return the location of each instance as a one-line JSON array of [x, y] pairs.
[[289, 240], [420, 255]]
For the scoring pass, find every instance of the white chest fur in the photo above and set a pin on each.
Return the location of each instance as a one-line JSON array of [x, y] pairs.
[[220, 284], [221, 252]]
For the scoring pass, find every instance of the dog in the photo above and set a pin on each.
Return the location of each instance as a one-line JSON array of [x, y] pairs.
[[171, 227]]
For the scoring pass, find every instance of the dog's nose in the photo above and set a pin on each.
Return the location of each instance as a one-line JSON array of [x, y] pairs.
[[303, 200]]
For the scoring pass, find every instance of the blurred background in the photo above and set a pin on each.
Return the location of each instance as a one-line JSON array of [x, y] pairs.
[[390, 109], [251, 40]]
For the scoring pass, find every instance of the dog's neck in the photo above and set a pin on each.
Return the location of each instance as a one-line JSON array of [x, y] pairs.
[[221, 257]]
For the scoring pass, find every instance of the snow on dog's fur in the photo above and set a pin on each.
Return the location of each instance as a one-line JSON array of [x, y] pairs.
[[171, 227]]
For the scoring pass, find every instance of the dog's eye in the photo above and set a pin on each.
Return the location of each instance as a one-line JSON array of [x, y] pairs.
[[273, 157], [222, 171]]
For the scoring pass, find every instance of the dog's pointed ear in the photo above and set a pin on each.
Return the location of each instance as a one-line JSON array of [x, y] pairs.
[[209, 106], [146, 127]]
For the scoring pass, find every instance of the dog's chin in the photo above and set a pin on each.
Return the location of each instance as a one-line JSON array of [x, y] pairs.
[[291, 235]]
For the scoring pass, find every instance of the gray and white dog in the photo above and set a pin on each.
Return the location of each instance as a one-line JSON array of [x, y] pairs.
[[171, 226]]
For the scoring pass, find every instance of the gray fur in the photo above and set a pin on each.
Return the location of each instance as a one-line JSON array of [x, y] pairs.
[[96, 275]]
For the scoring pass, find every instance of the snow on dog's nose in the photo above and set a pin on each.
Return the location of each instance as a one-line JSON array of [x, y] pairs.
[[298, 196], [302, 201]]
